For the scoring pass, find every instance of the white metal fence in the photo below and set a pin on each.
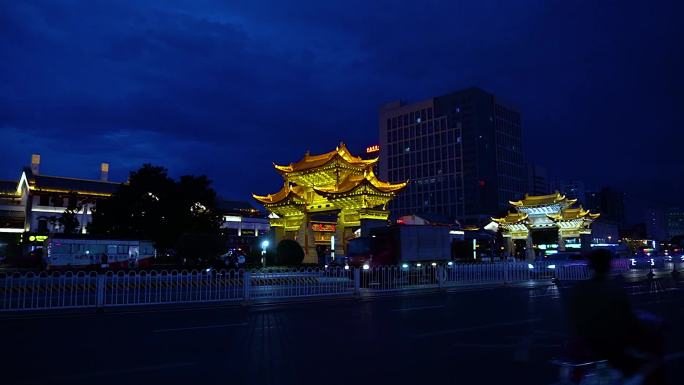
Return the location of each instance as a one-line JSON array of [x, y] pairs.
[[300, 283], [48, 290], [134, 288], [45, 290]]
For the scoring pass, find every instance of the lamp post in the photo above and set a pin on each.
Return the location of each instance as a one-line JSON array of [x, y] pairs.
[[264, 246]]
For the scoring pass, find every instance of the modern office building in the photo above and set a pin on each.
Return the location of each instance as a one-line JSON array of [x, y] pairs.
[[34, 202], [609, 202], [12, 218], [242, 223], [461, 152], [537, 180], [573, 189], [31, 207], [674, 221], [655, 224]]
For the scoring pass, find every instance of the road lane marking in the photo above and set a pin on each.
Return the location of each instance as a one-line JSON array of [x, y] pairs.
[[478, 327], [419, 308], [555, 295], [142, 369], [674, 356], [654, 291], [199, 327], [500, 346], [484, 346]]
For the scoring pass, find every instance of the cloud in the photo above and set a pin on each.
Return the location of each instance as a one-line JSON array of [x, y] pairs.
[[224, 88]]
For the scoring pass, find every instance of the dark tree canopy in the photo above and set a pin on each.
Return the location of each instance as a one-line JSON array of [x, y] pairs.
[[199, 246], [69, 220], [154, 206], [289, 252]]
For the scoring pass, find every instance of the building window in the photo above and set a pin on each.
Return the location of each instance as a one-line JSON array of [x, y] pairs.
[[57, 201], [44, 200]]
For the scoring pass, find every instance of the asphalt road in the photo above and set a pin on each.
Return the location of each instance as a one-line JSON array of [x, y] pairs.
[[494, 336]]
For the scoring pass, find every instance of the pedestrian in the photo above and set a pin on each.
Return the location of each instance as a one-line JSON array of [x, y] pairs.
[[603, 318]]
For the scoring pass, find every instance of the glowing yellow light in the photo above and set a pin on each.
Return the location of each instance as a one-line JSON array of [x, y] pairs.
[[373, 148]]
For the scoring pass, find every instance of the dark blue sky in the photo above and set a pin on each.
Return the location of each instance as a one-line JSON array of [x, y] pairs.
[[225, 87]]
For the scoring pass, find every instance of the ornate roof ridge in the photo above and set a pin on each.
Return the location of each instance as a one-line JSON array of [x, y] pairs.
[[353, 181], [570, 213], [281, 195], [511, 218], [543, 200], [312, 161]]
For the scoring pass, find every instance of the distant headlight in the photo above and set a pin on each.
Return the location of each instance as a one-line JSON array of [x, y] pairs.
[[530, 266], [451, 263], [404, 265], [366, 266], [552, 266], [346, 267]]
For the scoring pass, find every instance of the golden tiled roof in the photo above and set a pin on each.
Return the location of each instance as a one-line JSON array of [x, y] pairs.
[[574, 213], [354, 180], [284, 193], [542, 200], [313, 161], [511, 219]]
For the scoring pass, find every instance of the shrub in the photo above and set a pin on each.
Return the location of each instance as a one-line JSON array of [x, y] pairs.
[[289, 253]]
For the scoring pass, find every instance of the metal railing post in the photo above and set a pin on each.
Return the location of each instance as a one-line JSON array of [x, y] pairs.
[[506, 279], [101, 285], [357, 281], [246, 285], [440, 276]]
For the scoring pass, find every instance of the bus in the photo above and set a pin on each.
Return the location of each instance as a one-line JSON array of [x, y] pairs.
[[75, 252]]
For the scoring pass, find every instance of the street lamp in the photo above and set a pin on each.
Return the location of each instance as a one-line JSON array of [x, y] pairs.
[[264, 245]]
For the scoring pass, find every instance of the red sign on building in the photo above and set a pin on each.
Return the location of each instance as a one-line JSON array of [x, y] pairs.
[[323, 227], [373, 148]]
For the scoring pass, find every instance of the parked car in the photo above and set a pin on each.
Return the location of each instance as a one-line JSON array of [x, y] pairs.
[[646, 261], [673, 257], [564, 258]]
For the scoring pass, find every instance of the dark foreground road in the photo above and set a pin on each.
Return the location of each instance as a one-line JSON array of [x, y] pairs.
[[496, 336]]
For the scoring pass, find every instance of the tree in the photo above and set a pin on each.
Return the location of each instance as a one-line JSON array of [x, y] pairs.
[[69, 218], [289, 252], [199, 246], [138, 208], [154, 206]]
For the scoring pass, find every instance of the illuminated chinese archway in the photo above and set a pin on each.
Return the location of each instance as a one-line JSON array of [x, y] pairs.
[[545, 212], [337, 183]]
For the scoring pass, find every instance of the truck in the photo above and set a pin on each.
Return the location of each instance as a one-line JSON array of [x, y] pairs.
[[405, 245], [61, 251]]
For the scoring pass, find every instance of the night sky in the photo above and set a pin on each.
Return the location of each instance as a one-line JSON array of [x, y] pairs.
[[224, 88]]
